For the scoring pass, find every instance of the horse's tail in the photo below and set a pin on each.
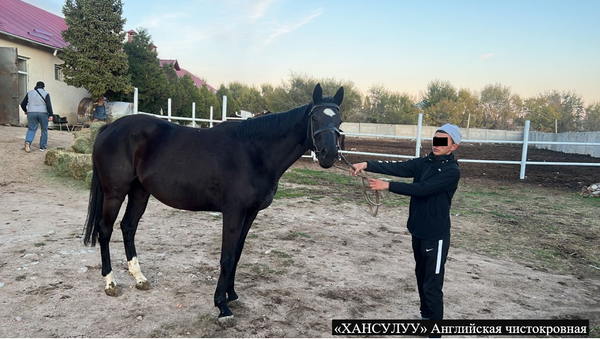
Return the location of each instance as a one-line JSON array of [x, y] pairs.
[[95, 205], [94, 210]]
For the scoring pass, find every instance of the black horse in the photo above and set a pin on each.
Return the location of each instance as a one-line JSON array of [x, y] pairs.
[[233, 168]]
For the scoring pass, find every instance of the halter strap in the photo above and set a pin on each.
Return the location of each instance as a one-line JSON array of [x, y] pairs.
[[325, 104]]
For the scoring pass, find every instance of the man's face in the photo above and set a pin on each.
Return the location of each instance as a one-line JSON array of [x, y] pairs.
[[443, 150]]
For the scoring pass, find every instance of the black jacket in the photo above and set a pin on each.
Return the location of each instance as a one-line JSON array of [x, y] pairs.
[[435, 182]]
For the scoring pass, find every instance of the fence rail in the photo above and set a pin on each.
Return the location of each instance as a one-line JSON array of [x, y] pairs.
[[523, 163], [418, 138]]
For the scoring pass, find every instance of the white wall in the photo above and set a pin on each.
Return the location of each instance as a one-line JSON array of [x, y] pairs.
[[591, 137], [65, 99]]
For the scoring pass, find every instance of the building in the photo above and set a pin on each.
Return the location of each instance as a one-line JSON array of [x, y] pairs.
[[30, 41], [180, 71]]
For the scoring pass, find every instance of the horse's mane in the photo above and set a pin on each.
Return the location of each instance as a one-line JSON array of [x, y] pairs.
[[272, 125], [275, 125]]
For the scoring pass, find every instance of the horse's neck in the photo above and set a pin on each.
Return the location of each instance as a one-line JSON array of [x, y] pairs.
[[286, 150]]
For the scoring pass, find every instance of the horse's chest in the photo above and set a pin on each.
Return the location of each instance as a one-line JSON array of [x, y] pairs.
[[268, 196]]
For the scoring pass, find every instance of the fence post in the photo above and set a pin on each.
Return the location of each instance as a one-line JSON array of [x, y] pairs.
[[169, 110], [524, 151], [210, 123], [224, 116], [193, 114], [419, 129], [135, 101]]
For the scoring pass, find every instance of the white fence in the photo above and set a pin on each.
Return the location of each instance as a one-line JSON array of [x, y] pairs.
[[525, 142], [419, 133], [428, 131]]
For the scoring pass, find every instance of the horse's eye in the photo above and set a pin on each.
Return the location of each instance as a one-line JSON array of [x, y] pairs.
[[314, 117]]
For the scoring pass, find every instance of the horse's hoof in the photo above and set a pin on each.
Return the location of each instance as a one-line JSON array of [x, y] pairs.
[[226, 321], [143, 285], [113, 290]]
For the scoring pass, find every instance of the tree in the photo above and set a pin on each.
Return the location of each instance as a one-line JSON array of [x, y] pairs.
[[499, 109], [210, 100], [94, 58], [541, 113], [570, 107], [591, 122], [232, 105], [445, 111], [248, 98], [471, 115], [146, 73], [555, 111], [385, 107], [437, 91], [298, 91]]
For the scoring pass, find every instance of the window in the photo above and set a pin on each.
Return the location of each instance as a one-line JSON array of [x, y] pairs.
[[58, 75], [23, 67]]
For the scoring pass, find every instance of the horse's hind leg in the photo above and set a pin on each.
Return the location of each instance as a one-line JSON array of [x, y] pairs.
[[138, 200], [109, 215]]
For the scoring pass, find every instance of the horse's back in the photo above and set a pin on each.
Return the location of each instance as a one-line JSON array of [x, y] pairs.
[[180, 166]]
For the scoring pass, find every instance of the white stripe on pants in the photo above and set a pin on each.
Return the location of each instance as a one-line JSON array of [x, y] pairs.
[[438, 263]]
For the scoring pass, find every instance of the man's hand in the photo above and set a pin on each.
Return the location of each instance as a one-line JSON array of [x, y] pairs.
[[379, 185], [25, 112], [359, 167]]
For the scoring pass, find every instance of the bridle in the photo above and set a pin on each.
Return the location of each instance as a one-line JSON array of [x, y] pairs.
[[373, 205], [329, 127]]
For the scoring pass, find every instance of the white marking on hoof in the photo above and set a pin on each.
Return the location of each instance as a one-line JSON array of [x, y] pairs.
[[228, 321], [111, 285], [329, 112], [134, 269]]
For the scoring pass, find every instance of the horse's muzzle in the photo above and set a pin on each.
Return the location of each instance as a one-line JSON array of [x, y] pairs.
[[327, 157]]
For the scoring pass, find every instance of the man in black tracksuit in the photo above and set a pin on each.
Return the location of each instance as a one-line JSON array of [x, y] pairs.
[[435, 181]]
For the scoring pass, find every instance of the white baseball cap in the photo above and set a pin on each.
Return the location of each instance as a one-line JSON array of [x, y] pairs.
[[453, 131]]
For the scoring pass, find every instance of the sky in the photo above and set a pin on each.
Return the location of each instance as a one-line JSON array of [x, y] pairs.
[[531, 46]]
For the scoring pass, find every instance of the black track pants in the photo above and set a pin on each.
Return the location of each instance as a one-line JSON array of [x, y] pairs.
[[430, 258]]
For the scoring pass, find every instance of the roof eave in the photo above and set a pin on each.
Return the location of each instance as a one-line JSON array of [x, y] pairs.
[[29, 40]]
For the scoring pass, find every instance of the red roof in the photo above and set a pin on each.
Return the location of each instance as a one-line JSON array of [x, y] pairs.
[[181, 72], [31, 23]]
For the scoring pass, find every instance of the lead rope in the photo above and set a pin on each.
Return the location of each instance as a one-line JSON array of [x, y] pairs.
[[373, 205]]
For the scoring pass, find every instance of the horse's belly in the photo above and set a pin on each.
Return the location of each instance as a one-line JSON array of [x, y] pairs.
[[190, 205]]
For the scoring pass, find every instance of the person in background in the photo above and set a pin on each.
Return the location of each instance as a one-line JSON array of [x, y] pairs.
[[99, 111], [38, 108], [435, 181]]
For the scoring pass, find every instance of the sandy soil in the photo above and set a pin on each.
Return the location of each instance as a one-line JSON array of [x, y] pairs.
[[305, 263]]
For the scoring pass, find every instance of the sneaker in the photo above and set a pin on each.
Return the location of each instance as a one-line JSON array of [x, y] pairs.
[[27, 148], [42, 149]]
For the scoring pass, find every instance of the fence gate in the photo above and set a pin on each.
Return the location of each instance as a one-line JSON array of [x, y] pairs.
[[9, 86]]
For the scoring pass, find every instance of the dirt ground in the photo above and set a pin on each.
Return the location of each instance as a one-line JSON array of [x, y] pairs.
[[305, 263]]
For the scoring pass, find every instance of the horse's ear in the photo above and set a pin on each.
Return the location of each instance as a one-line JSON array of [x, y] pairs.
[[317, 94], [339, 96]]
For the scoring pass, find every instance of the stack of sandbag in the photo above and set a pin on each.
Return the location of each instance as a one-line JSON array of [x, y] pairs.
[[591, 191]]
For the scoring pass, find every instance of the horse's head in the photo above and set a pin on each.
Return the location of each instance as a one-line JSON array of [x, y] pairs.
[[325, 121]]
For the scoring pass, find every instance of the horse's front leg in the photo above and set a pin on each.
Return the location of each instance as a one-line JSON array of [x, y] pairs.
[[232, 230], [248, 220]]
